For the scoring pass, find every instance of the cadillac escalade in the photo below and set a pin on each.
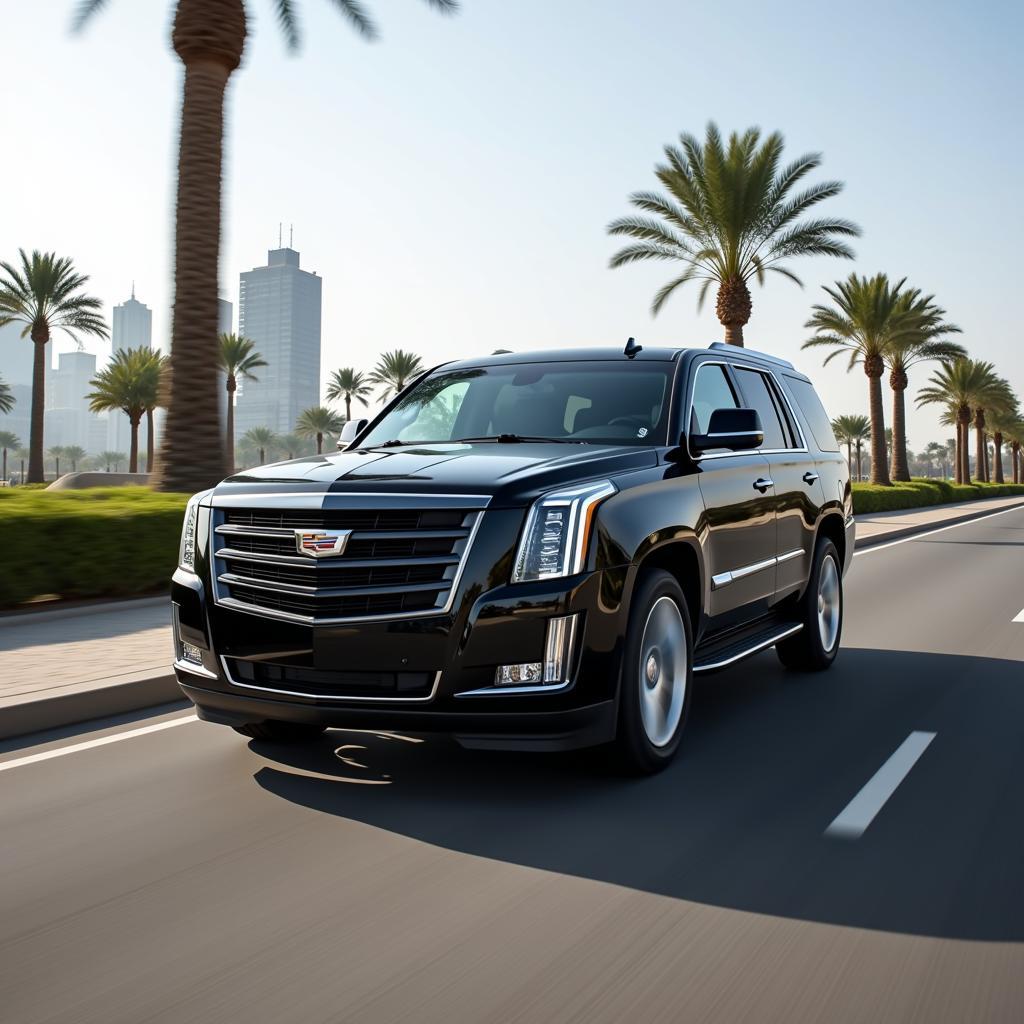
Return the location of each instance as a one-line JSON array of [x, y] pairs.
[[529, 551]]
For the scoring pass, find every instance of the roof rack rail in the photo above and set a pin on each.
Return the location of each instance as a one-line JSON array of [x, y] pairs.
[[755, 353]]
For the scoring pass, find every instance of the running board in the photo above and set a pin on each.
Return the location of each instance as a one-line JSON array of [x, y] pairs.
[[720, 656]]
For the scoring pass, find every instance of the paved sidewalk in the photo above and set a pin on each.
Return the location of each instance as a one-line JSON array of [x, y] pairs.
[[68, 665]]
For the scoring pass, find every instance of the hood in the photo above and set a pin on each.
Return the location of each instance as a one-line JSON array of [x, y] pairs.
[[510, 474]]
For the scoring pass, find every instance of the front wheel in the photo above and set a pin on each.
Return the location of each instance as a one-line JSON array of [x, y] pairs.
[[657, 673], [820, 613], [279, 732]]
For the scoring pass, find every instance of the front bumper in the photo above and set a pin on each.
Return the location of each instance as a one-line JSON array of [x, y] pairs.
[[458, 651]]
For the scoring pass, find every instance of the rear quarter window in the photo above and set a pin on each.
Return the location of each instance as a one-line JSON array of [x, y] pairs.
[[814, 413]]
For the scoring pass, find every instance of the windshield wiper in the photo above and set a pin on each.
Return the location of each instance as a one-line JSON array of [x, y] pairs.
[[519, 439]]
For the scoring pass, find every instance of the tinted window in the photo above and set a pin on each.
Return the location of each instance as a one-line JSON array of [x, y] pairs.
[[604, 402], [711, 391], [757, 395], [814, 412]]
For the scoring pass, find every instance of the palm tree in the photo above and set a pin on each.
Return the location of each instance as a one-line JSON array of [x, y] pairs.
[[935, 453], [852, 430], [238, 360], [6, 398], [394, 370], [7, 440], [153, 368], [44, 294], [126, 383], [56, 453], [261, 438], [1014, 434], [111, 459], [960, 386], [868, 319], [74, 454], [926, 341], [208, 37], [346, 384], [293, 443], [317, 422], [22, 455], [999, 403], [730, 215]]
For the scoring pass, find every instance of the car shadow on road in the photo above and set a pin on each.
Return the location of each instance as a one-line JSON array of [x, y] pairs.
[[769, 759]]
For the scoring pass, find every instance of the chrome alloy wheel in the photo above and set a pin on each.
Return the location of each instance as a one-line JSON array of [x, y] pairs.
[[829, 603], [662, 669]]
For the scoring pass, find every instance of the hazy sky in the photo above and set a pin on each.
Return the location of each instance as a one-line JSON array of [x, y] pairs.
[[452, 182]]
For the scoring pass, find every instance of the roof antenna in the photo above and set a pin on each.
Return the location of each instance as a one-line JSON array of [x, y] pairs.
[[632, 348], [133, 289], [291, 236], [279, 234]]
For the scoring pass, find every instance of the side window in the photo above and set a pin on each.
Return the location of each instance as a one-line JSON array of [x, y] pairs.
[[757, 395], [814, 412], [711, 391]]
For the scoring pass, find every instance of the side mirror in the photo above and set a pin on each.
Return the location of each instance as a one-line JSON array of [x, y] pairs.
[[736, 430], [349, 432]]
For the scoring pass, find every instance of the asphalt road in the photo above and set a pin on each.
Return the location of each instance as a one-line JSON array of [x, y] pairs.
[[180, 874]]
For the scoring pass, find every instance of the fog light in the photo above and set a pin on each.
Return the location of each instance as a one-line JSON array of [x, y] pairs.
[[516, 675], [192, 654]]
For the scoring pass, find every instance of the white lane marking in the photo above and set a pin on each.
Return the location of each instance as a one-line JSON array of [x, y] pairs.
[[941, 529], [46, 755], [1019, 617], [855, 817]]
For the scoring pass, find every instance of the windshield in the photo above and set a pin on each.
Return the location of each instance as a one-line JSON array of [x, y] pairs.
[[597, 402]]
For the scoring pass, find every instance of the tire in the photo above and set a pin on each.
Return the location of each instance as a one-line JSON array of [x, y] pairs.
[[657, 675], [279, 732], [820, 611]]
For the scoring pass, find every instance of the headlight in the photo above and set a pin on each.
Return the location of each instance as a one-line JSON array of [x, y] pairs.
[[557, 532], [187, 550]]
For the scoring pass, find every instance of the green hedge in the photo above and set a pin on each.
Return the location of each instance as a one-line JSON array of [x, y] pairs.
[[921, 492], [104, 541]]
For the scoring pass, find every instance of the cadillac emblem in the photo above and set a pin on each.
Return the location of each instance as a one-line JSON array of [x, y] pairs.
[[321, 543]]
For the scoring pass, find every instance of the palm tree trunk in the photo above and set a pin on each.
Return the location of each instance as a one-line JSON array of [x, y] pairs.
[[980, 454], [150, 441], [849, 456], [319, 444], [859, 460], [997, 458], [36, 469], [900, 469], [208, 36], [348, 408], [229, 433], [5, 465], [56, 467], [965, 452], [874, 367], [1015, 461], [133, 451], [958, 468]]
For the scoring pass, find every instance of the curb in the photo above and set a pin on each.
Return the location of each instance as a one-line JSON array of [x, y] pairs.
[[52, 712], [70, 608], [910, 531]]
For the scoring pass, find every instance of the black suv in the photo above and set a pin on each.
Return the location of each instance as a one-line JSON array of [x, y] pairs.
[[527, 551]]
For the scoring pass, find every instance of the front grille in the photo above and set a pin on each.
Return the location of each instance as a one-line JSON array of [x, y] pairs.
[[397, 562], [309, 682]]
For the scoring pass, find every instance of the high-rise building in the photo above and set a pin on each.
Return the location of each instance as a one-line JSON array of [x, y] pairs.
[[16, 355], [68, 418], [279, 309], [132, 328], [225, 316]]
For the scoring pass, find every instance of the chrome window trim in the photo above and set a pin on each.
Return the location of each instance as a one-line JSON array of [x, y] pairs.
[[320, 696], [231, 603], [723, 579], [753, 650], [750, 451]]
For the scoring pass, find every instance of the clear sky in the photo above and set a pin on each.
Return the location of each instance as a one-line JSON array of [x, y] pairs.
[[452, 182]]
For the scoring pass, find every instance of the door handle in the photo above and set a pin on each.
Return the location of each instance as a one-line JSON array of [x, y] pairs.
[[810, 478], [762, 484]]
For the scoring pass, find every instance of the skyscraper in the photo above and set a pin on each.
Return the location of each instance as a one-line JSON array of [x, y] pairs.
[[132, 328], [279, 309], [68, 418], [225, 316]]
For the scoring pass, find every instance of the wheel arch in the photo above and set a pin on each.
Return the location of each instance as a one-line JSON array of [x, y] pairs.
[[833, 526], [681, 559]]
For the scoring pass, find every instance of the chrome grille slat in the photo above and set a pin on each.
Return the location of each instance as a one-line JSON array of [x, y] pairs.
[[385, 571]]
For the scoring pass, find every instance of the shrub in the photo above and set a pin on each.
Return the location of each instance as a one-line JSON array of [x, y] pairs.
[[105, 541], [922, 492]]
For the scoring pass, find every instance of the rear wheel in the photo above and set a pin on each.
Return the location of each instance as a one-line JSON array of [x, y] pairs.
[[820, 613], [657, 673], [279, 732]]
